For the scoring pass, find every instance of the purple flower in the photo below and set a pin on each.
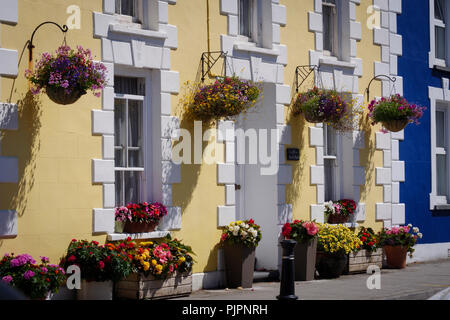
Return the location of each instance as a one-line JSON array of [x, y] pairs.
[[45, 259], [44, 270], [7, 279], [28, 274]]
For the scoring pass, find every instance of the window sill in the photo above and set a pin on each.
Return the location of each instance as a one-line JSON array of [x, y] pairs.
[[137, 236], [122, 29], [253, 48], [336, 63], [442, 207], [441, 68]]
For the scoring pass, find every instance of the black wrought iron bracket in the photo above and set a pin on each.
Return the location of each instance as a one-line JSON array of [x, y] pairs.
[[31, 46], [209, 59], [392, 79], [303, 72]]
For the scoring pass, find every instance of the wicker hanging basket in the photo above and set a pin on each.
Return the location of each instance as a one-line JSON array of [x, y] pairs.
[[59, 96], [313, 118], [395, 125]]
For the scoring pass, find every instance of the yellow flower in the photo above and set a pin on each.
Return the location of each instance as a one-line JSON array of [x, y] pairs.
[[154, 262], [146, 266]]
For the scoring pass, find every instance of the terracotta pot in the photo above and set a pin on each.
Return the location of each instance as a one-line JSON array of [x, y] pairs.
[[305, 260], [396, 256], [331, 265], [59, 96], [239, 265], [337, 218], [137, 227], [395, 125]]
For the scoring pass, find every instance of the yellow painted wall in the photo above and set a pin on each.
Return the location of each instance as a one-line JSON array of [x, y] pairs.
[[54, 144], [198, 194], [301, 194]]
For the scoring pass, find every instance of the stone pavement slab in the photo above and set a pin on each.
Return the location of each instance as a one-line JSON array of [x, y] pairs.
[[418, 281]]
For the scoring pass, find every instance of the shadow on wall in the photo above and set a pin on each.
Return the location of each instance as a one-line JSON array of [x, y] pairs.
[[27, 145], [189, 172], [298, 126], [366, 159]]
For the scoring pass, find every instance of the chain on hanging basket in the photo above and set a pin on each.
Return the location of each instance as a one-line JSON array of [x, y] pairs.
[[67, 75]]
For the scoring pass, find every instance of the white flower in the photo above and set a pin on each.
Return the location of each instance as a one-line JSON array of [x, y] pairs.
[[254, 233], [243, 234], [410, 225], [230, 228], [235, 232], [246, 226], [419, 235], [415, 229]]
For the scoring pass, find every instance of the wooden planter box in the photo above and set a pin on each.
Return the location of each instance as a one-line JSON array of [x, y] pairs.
[[359, 262], [137, 286]]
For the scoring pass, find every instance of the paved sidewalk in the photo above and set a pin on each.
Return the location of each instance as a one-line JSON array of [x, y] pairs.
[[418, 281]]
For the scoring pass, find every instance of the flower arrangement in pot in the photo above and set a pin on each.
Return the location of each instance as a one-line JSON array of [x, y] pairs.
[[140, 217], [67, 75], [153, 262], [397, 242], [394, 112], [339, 211], [239, 240], [226, 97], [100, 266], [334, 244], [305, 233], [369, 253], [36, 281]]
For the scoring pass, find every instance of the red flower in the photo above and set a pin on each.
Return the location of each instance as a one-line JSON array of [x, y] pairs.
[[286, 231], [223, 237], [71, 258], [95, 242], [251, 221], [363, 239], [101, 264]]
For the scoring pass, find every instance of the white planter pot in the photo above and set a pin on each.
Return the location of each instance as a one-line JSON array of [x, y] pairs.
[[94, 290]]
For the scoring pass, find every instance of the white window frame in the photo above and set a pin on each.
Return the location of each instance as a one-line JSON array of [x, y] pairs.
[[335, 34], [433, 61], [341, 37], [435, 199], [255, 27], [337, 159], [147, 16], [147, 144]]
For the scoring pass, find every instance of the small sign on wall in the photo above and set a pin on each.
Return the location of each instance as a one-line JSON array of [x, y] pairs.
[[293, 154]]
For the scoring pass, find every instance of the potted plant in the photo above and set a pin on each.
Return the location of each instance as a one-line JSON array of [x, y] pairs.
[[394, 112], [369, 252], [339, 211], [140, 217], [161, 269], [334, 244], [226, 97], [305, 233], [397, 242], [100, 266], [36, 281], [239, 240], [67, 75]]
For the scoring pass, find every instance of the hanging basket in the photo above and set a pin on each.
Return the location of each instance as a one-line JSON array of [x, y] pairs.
[[313, 118], [395, 125], [59, 96]]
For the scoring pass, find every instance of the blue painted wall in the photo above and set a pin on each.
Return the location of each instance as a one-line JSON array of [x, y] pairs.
[[413, 25]]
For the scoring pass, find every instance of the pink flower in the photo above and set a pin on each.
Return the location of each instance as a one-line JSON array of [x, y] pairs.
[[311, 228]]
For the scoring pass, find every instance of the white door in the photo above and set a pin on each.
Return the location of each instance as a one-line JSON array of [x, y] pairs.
[[256, 194]]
